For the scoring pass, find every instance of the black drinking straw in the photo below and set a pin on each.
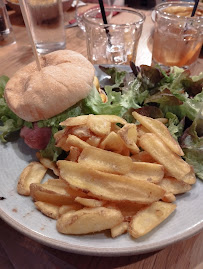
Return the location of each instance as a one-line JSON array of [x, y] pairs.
[[195, 8], [101, 4]]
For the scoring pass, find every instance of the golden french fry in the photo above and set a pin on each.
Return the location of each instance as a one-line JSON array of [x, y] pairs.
[[128, 133], [89, 202], [82, 132], [146, 171], [33, 173], [94, 141], [111, 118], [142, 156], [51, 211], [48, 163], [88, 220], [113, 142], [141, 130], [107, 186], [73, 141], [99, 126], [163, 120], [169, 197], [173, 185], [74, 154], [190, 178], [119, 229], [58, 135], [149, 218], [61, 142], [173, 163], [128, 210], [67, 208], [114, 127], [160, 130], [56, 182], [75, 121], [52, 194], [105, 161]]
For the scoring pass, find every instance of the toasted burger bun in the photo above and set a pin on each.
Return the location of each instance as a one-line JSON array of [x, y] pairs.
[[66, 78]]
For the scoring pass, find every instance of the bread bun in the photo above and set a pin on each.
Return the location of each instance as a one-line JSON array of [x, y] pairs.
[[66, 78]]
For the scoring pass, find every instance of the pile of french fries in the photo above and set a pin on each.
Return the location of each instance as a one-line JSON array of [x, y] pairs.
[[117, 176]]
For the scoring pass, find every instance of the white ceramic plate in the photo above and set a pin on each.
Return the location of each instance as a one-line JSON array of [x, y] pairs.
[[20, 212]]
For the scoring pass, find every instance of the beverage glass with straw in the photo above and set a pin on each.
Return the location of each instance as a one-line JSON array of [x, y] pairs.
[[178, 34], [113, 37]]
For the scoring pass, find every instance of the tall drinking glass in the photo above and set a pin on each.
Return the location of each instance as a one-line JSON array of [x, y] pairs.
[[6, 31], [178, 37], [46, 21]]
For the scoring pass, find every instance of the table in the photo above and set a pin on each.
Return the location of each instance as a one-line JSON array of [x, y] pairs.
[[18, 251]]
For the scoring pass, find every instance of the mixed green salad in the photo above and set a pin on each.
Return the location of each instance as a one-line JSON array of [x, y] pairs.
[[151, 91]]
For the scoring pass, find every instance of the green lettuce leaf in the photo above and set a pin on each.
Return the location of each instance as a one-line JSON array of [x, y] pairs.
[[9, 122], [192, 145]]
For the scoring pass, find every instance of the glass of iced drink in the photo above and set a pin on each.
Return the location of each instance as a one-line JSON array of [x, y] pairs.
[[117, 41], [178, 37]]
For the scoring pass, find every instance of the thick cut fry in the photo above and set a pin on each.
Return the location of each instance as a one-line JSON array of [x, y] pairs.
[[75, 121], [74, 154], [56, 182], [146, 171], [111, 118], [128, 133], [169, 197], [107, 186], [113, 142], [75, 192], [173, 185], [67, 208], [128, 210], [173, 163], [105, 161], [89, 202], [48, 163], [99, 126], [141, 130], [88, 220], [163, 120], [82, 132], [50, 194], [58, 135], [142, 156], [190, 177], [147, 219], [51, 211], [160, 130], [33, 173], [94, 141], [74, 141], [119, 229], [61, 142]]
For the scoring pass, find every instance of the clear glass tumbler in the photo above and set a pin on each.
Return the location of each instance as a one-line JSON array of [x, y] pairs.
[[83, 6], [117, 41], [178, 37], [46, 22], [6, 31]]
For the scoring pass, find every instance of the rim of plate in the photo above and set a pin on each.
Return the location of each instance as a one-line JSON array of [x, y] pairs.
[[77, 249]]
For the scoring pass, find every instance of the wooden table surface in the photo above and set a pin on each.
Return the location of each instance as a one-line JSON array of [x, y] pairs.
[[18, 251]]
